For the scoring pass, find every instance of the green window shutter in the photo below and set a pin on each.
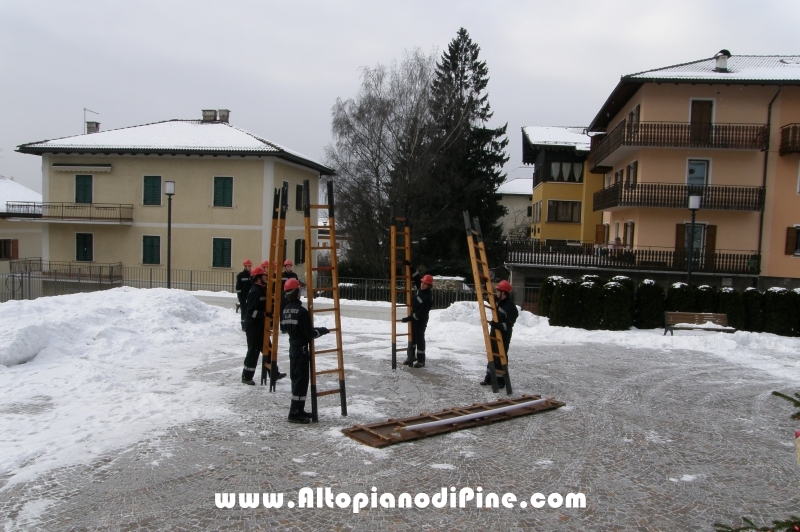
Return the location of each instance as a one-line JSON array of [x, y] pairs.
[[221, 253], [223, 192], [152, 190], [83, 244], [151, 250], [83, 189]]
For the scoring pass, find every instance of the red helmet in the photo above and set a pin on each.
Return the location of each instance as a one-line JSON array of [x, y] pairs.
[[427, 279], [247, 262], [258, 270], [504, 286], [291, 284], [265, 264], [287, 262]]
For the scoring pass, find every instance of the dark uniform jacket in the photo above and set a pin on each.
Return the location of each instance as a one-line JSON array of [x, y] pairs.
[[422, 301], [297, 321], [243, 284], [507, 315], [255, 306]]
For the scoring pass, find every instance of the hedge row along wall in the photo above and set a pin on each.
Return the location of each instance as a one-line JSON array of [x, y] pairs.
[[589, 303]]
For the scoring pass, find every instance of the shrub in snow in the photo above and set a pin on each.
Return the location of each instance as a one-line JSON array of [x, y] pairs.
[[546, 294], [649, 305], [779, 311], [616, 307], [753, 300], [591, 279], [729, 302], [590, 297], [565, 310], [705, 299], [680, 298]]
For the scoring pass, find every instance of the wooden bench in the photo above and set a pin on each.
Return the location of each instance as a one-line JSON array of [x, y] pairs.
[[696, 321]]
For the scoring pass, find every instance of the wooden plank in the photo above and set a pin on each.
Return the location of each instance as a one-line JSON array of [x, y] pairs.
[[323, 351], [327, 392], [327, 371]]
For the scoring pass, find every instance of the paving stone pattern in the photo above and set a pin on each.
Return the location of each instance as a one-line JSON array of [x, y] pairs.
[[655, 440]]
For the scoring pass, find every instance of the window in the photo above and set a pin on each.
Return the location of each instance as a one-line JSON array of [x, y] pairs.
[[285, 185], [633, 170], [84, 247], [299, 199], [223, 192], [792, 241], [151, 249], [697, 173], [221, 256], [83, 189], [152, 190], [530, 211], [616, 231], [9, 249], [299, 251], [563, 211], [537, 212], [608, 179], [619, 176], [701, 118], [572, 172], [633, 116]]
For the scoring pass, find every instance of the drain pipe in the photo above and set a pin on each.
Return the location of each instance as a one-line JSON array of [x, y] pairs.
[[764, 183]]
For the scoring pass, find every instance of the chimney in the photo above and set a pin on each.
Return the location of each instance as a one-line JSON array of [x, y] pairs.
[[224, 115], [92, 127], [722, 61], [209, 115]]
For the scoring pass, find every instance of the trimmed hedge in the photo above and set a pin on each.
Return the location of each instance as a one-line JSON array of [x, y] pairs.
[[565, 308], [729, 302], [705, 299], [590, 297], [590, 279], [649, 305], [753, 302], [779, 311], [546, 294], [680, 298], [616, 307]]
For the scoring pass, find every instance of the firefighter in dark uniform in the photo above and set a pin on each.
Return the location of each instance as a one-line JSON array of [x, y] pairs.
[[254, 314], [507, 315], [297, 322], [243, 287], [285, 276], [420, 308]]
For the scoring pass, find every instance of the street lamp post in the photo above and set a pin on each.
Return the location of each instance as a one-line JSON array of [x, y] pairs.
[[694, 206], [169, 190]]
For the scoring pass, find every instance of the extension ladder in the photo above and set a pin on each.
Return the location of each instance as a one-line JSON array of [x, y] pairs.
[[311, 288], [269, 361], [400, 229], [485, 293]]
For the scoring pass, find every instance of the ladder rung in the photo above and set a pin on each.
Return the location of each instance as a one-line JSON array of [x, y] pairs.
[[323, 351], [331, 289], [322, 269], [332, 309], [322, 247], [319, 206], [401, 334], [327, 371], [319, 227], [328, 392]]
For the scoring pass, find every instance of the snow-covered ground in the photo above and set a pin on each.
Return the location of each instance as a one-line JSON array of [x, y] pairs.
[[82, 375]]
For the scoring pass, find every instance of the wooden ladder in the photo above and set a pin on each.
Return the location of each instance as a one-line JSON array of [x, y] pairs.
[[269, 362], [485, 293], [312, 287], [401, 230]]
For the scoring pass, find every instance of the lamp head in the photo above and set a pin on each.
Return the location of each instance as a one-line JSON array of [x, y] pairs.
[[694, 202], [169, 188]]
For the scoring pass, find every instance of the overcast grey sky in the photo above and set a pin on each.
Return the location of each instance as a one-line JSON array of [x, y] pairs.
[[279, 66]]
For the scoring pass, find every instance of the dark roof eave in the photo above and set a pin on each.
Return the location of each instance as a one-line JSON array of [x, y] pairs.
[[40, 150]]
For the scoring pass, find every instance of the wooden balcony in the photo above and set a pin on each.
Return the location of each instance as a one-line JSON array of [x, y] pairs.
[[790, 139], [676, 196], [675, 135], [529, 252], [73, 212]]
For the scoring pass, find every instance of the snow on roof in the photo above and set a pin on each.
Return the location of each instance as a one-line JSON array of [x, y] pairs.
[[520, 185], [193, 136], [13, 191], [558, 136], [740, 68]]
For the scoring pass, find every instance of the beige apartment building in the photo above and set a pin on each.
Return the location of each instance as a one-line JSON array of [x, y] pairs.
[[18, 237], [725, 129], [104, 201]]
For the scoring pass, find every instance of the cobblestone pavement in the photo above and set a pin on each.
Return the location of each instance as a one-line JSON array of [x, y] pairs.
[[655, 440]]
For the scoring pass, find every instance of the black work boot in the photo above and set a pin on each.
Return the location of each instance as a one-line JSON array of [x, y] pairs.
[[299, 418]]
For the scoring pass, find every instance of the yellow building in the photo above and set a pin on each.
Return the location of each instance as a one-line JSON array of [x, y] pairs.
[[711, 128], [103, 195], [562, 188]]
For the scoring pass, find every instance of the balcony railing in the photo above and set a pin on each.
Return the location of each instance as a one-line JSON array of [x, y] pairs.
[[790, 139], [69, 271], [653, 259], [678, 135], [676, 196], [91, 212]]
